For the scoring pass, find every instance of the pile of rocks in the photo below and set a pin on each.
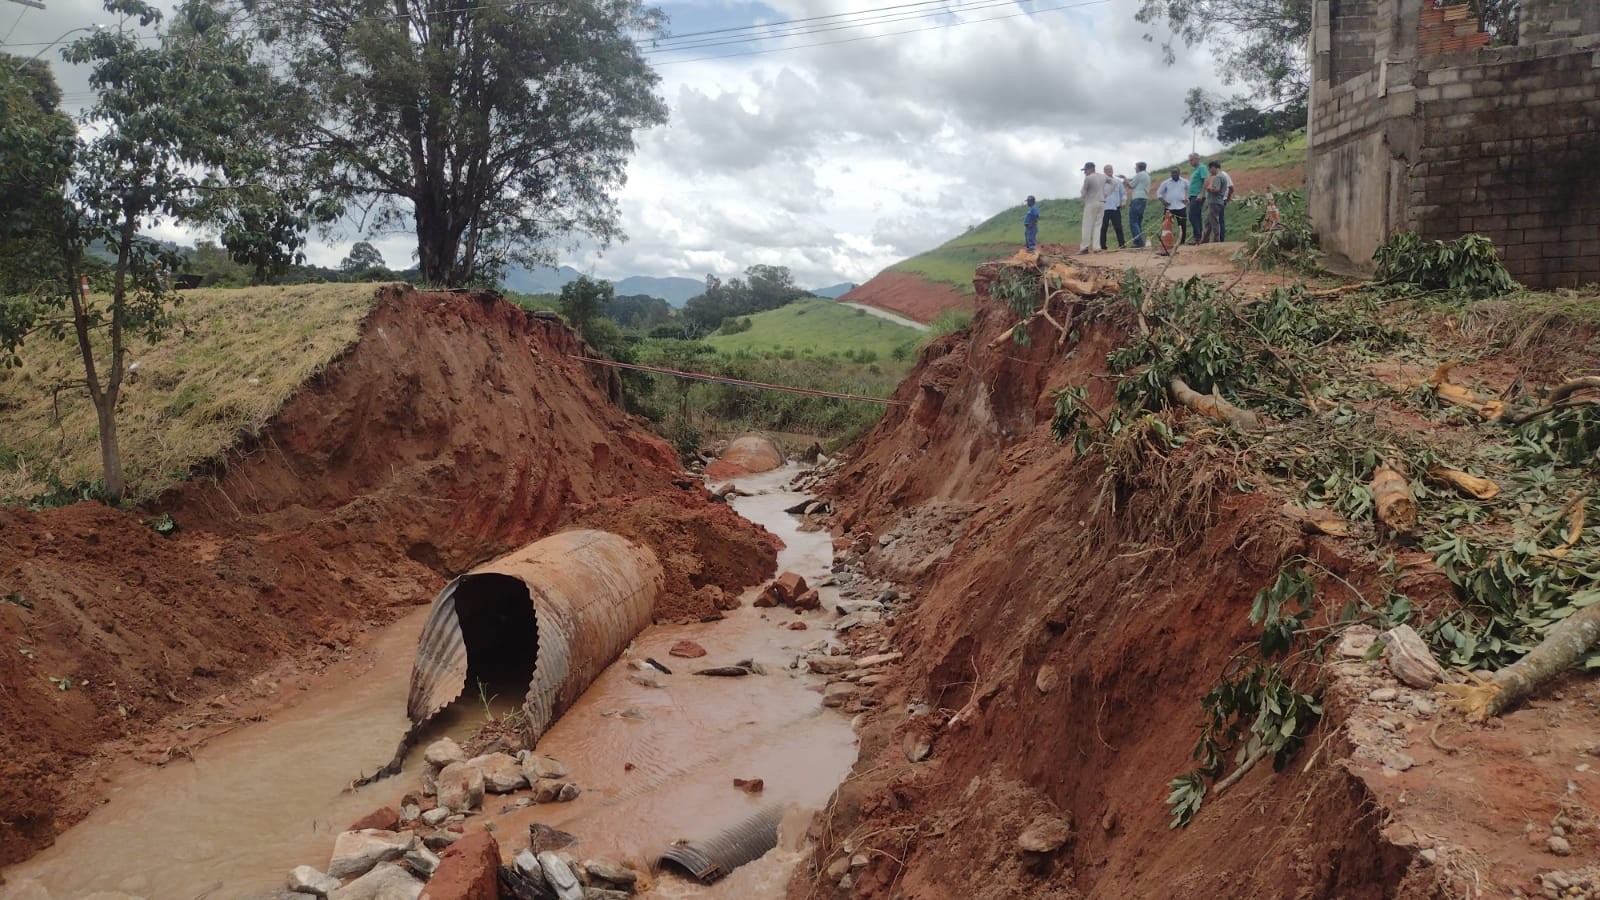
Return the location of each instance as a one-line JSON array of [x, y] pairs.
[[789, 589], [537, 874], [389, 854]]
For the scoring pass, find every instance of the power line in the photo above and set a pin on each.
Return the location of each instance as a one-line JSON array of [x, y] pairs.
[[783, 23], [947, 9]]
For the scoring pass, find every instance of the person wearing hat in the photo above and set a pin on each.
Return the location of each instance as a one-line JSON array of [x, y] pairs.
[[1095, 187], [1030, 225]]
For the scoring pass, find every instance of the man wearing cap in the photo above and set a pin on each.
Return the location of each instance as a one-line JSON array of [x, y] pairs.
[[1095, 187]]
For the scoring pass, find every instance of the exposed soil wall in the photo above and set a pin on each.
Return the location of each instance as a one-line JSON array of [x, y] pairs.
[[456, 429], [1071, 634], [909, 295]]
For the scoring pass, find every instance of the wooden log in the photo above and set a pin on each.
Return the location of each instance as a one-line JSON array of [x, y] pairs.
[[1391, 494], [1472, 485], [1212, 405], [1562, 648]]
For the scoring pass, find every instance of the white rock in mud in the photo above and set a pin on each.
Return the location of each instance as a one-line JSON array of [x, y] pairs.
[[409, 812], [830, 665], [460, 787], [422, 861], [385, 882], [610, 872], [354, 852], [434, 816], [536, 766], [501, 774], [528, 864], [560, 877], [443, 752], [311, 881]]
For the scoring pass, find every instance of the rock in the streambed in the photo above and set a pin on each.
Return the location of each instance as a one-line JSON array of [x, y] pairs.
[[460, 787], [409, 812], [467, 870], [1045, 834], [307, 879], [383, 818], [421, 860], [830, 665], [687, 650], [535, 766], [436, 816], [443, 752], [501, 774], [610, 872], [355, 852], [839, 694], [789, 587], [542, 837], [440, 839], [560, 877], [808, 600], [386, 881]]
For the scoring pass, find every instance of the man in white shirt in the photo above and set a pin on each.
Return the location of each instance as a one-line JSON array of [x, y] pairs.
[[1095, 186], [1116, 196], [1174, 197]]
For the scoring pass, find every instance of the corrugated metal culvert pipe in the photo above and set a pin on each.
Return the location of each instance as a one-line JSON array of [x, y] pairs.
[[556, 612]]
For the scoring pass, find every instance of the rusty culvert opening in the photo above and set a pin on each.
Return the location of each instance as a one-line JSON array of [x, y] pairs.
[[500, 630]]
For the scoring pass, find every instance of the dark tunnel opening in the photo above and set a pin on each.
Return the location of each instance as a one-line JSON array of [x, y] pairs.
[[500, 632]]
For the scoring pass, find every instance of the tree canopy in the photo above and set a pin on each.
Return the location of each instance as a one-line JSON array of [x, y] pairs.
[[495, 130], [1258, 43], [761, 289]]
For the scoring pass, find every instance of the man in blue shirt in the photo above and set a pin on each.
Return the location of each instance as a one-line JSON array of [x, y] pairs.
[[1030, 225], [1139, 187]]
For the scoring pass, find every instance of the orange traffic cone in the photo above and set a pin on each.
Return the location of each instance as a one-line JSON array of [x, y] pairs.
[[1167, 239]]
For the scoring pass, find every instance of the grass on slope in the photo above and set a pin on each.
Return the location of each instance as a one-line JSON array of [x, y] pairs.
[[232, 359], [1060, 220], [820, 328]]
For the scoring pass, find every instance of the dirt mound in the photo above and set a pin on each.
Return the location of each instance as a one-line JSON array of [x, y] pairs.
[[456, 429], [1056, 655], [700, 544], [909, 295]]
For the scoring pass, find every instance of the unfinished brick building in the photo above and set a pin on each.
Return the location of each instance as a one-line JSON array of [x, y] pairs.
[[1417, 123]]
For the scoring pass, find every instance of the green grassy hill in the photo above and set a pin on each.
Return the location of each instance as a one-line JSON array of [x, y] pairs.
[[232, 359], [952, 263], [818, 327]]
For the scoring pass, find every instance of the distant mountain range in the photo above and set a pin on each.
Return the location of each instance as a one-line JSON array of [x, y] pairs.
[[676, 291]]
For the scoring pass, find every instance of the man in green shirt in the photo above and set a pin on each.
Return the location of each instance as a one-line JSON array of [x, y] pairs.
[[1197, 191]]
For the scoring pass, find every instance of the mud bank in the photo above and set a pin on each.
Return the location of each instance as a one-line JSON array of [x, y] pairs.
[[456, 429], [1062, 634]]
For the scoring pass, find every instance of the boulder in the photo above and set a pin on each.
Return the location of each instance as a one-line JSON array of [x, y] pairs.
[[610, 872], [687, 650], [441, 839], [421, 860], [355, 852], [384, 818], [385, 882], [789, 587], [1045, 834], [460, 787], [830, 665], [501, 774], [535, 766], [767, 599], [560, 877], [435, 817], [466, 870], [308, 880], [443, 752], [808, 600], [839, 694], [542, 837]]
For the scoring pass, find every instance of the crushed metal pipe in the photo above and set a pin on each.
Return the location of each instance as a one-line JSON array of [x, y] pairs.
[[713, 858]]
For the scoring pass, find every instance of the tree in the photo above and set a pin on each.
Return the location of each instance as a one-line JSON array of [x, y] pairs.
[[36, 147], [583, 303], [493, 129], [1260, 43], [363, 257], [1199, 108], [169, 135], [1246, 123]]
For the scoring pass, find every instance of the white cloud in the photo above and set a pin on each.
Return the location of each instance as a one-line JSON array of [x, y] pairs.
[[839, 160]]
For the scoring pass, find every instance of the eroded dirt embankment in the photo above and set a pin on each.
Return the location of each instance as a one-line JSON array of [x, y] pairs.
[[1069, 635], [456, 429]]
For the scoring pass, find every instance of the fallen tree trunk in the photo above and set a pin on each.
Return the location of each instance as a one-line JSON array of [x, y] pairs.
[[1212, 405], [1560, 398], [1562, 648], [1391, 494], [1481, 488]]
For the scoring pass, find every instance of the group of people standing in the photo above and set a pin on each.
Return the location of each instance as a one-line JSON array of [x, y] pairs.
[[1197, 207]]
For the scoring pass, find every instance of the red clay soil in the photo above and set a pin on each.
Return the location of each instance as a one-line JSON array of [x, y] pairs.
[[1062, 649], [909, 295], [454, 430]]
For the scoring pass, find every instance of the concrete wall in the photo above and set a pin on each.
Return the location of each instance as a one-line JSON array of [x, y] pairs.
[[1443, 135]]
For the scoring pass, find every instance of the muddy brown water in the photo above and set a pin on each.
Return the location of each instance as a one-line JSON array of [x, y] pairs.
[[258, 801]]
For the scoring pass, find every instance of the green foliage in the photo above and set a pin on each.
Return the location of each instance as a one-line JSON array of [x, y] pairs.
[[763, 288], [949, 322], [494, 130], [1467, 266], [583, 302], [1291, 245], [1568, 437], [814, 326]]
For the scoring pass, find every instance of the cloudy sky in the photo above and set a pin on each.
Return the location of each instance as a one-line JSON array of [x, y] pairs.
[[894, 131]]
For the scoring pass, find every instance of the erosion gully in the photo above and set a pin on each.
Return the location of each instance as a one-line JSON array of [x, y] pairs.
[[272, 795]]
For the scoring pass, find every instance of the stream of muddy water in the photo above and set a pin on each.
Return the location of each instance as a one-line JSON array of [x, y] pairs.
[[260, 800]]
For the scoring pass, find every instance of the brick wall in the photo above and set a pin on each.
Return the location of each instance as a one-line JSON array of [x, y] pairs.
[[1446, 29], [1546, 19], [1508, 150], [1353, 38]]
